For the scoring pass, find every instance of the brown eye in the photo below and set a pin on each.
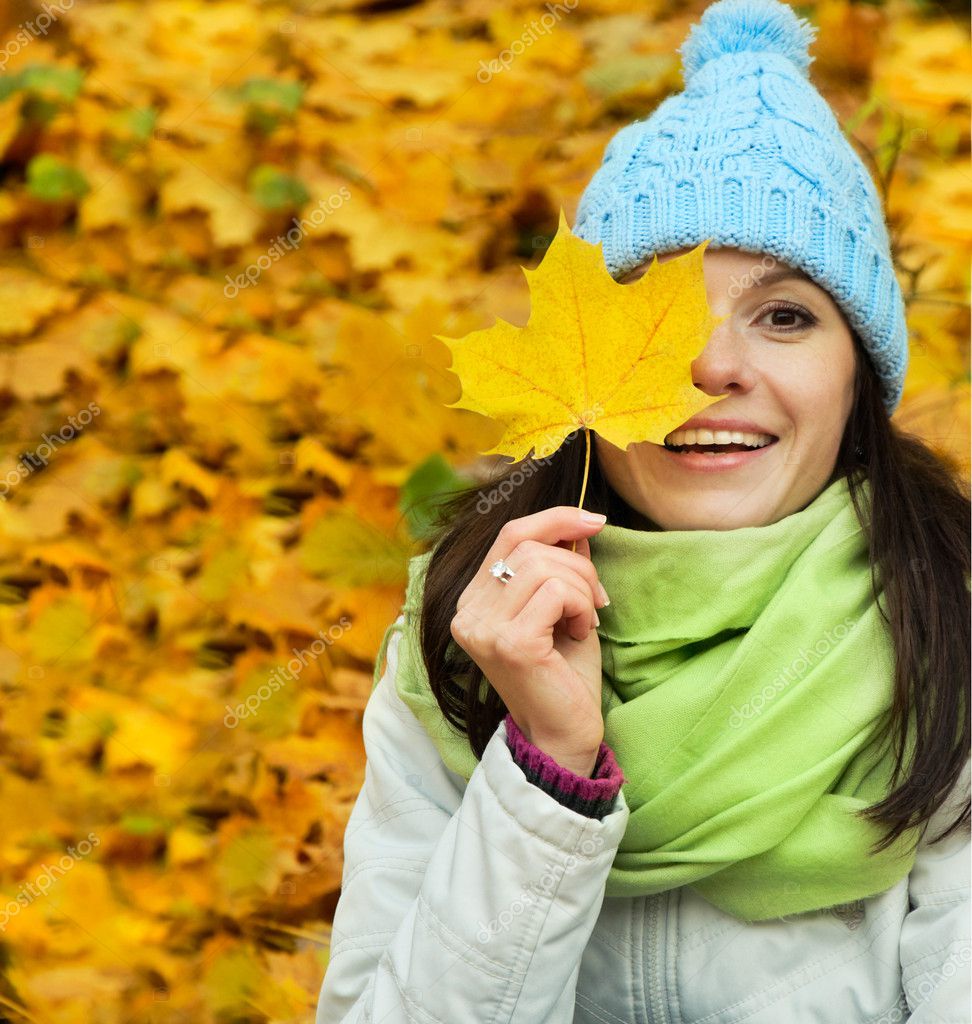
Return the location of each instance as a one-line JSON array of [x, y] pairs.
[[787, 317]]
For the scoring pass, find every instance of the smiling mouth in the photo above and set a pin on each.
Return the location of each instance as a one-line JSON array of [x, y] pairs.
[[718, 449], [720, 441]]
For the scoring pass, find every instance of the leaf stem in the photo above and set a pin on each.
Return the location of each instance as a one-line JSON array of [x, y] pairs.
[[587, 466]]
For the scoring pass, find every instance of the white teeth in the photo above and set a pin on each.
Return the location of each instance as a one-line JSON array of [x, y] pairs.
[[679, 438]]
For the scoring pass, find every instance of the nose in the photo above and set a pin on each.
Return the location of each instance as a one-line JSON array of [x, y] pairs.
[[722, 366]]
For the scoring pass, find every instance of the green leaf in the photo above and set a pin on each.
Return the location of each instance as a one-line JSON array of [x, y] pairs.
[[135, 123], [50, 81], [247, 862], [47, 89], [269, 101], [230, 982], [52, 180], [352, 553], [429, 484], [141, 824], [862, 113], [271, 94], [274, 190], [224, 571]]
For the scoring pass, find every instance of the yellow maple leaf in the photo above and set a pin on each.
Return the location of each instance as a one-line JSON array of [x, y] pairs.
[[26, 299], [595, 354]]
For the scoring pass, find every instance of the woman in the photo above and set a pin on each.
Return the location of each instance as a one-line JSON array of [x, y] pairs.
[[712, 763]]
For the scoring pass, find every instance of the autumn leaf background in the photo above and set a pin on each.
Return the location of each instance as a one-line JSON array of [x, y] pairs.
[[230, 234]]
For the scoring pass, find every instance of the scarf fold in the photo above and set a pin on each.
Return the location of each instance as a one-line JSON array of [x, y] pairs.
[[747, 680]]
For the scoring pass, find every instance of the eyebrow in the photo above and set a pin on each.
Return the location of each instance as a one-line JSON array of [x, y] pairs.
[[784, 274]]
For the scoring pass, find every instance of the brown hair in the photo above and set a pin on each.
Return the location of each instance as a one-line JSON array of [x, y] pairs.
[[918, 531]]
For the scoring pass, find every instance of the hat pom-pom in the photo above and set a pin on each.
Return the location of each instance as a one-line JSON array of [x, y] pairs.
[[737, 26]]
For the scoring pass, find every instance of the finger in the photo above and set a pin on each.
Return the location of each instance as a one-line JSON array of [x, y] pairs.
[[554, 599], [581, 546], [532, 574], [554, 555], [549, 526]]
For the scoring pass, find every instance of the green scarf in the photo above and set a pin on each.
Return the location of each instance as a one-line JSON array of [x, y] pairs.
[[747, 678]]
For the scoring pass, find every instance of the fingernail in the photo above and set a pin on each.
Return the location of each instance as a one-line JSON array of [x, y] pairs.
[[597, 619], [604, 596], [593, 517]]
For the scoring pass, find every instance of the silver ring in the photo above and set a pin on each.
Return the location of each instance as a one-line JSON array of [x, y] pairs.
[[502, 571]]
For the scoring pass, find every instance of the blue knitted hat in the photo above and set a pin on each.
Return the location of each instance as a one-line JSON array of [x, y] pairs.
[[750, 155]]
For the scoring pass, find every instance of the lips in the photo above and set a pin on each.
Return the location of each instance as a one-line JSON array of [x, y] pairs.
[[714, 458]]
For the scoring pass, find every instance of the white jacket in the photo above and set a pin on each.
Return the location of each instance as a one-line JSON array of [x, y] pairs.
[[483, 903]]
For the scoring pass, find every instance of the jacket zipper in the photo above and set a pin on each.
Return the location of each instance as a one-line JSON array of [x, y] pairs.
[[656, 1009]]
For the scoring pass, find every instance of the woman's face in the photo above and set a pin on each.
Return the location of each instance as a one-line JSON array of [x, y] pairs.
[[784, 360]]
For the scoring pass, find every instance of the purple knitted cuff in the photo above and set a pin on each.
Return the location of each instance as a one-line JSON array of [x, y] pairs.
[[592, 797]]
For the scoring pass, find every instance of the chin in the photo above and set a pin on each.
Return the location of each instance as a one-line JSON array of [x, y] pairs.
[[721, 512], [703, 523]]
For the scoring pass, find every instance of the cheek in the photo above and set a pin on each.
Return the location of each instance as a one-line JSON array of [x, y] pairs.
[[821, 374], [814, 386], [625, 470], [609, 458]]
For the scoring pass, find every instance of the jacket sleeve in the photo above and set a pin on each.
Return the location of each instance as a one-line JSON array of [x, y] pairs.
[[936, 938], [459, 901]]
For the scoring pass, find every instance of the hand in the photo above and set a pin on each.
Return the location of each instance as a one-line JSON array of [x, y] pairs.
[[533, 637]]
